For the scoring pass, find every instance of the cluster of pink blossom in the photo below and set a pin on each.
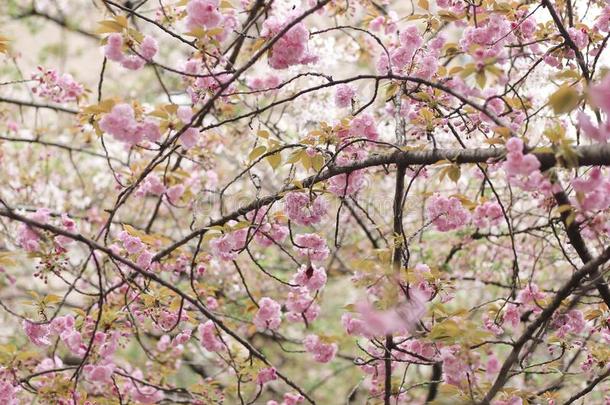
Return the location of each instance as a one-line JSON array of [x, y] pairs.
[[494, 104], [291, 48], [69, 225], [516, 162], [415, 347], [401, 56], [447, 213], [354, 326], [265, 375], [203, 13], [227, 246], [422, 62], [374, 322], [487, 40], [37, 333], [311, 276], [594, 227], [580, 37], [456, 371], [344, 96], [593, 192], [600, 133], [142, 393], [363, 126], [301, 306], [312, 246], [64, 327], [523, 170], [526, 27], [269, 82], [603, 20], [269, 314], [134, 246], [8, 392], [121, 123], [209, 337], [267, 230], [27, 237], [572, 321], [190, 136], [423, 287], [347, 184], [302, 210], [599, 97], [99, 373], [269, 233], [322, 352], [152, 184], [115, 51], [207, 14], [387, 23], [289, 399], [488, 213], [529, 298], [492, 325], [60, 89], [41, 333], [202, 87]]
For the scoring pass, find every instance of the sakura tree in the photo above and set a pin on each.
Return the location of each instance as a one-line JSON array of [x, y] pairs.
[[304, 201]]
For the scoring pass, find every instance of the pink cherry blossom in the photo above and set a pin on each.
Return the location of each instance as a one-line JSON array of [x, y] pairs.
[[265, 375], [488, 213], [37, 333], [322, 352], [99, 373], [312, 277], [291, 48], [344, 95], [447, 213], [209, 337], [347, 184], [269, 314], [114, 50], [599, 133], [312, 246], [303, 211], [59, 89], [301, 306], [203, 13], [7, 393]]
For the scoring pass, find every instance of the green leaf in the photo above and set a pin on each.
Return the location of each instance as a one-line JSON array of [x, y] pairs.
[[454, 173], [317, 162], [257, 152], [274, 160], [564, 100], [481, 79]]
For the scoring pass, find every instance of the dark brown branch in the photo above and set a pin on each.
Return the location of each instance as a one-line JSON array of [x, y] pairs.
[[544, 316], [92, 244], [589, 156], [24, 103]]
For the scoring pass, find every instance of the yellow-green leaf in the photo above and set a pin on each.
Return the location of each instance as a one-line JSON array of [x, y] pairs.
[[564, 100], [257, 152], [274, 160]]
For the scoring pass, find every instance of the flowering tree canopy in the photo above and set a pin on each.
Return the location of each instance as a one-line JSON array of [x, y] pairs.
[[304, 201]]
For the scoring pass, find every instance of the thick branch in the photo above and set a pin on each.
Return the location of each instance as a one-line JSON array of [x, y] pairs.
[[579, 245], [589, 156], [38, 105], [92, 244], [544, 316]]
